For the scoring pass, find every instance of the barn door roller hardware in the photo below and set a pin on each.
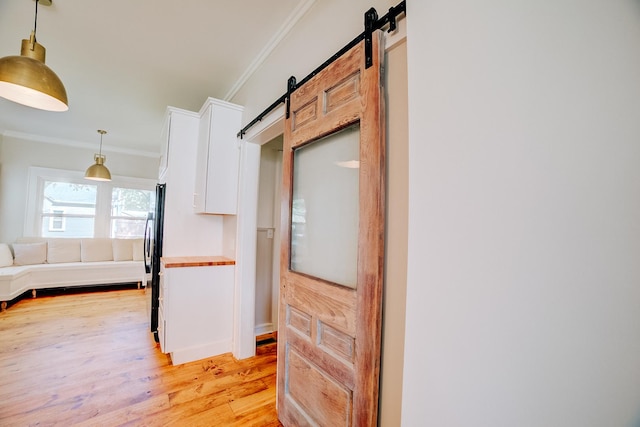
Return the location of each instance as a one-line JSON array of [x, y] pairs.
[[371, 24], [370, 19]]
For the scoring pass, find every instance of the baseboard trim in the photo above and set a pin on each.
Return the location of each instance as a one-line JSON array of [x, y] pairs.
[[191, 354], [264, 328]]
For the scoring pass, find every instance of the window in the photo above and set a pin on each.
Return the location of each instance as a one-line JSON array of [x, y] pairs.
[[69, 203], [64, 204], [57, 221], [129, 209]]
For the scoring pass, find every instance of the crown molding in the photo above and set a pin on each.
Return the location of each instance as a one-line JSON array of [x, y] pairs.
[[77, 144], [288, 25]]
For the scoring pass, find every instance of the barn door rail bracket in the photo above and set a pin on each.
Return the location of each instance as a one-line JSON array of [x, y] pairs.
[[371, 24], [291, 86]]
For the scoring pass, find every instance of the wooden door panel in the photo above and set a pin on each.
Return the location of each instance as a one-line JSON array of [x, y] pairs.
[[321, 398], [330, 102], [329, 334], [324, 360], [337, 308]]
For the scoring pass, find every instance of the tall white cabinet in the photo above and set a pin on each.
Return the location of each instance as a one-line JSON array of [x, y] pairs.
[[218, 159], [199, 163]]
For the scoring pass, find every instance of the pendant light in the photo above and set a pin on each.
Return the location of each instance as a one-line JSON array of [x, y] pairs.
[[26, 79], [98, 171]]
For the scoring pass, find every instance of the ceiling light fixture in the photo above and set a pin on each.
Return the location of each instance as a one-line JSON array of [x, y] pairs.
[[26, 79], [98, 171]]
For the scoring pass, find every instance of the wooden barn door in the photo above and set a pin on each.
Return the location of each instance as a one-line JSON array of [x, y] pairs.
[[332, 246]]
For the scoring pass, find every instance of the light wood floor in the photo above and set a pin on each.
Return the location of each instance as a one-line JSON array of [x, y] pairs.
[[88, 359]]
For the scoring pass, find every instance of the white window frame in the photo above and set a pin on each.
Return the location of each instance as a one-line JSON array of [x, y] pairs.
[[35, 188]]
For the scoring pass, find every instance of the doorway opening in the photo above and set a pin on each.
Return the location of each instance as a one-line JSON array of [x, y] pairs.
[[268, 240]]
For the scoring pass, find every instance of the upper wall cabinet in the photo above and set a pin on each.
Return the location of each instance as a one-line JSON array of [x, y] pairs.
[[178, 150], [218, 160]]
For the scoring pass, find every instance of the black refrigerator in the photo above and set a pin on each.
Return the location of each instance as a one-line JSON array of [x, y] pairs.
[[153, 251]]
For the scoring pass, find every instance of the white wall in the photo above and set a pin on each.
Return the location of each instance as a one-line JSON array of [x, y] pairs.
[[16, 155], [523, 296], [269, 194]]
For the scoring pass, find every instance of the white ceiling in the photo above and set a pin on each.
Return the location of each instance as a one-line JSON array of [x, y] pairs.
[[124, 61]]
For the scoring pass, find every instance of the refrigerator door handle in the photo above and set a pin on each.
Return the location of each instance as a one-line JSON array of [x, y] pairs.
[[146, 228], [147, 245]]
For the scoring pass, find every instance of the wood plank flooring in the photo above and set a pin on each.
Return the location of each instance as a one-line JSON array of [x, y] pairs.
[[87, 359]]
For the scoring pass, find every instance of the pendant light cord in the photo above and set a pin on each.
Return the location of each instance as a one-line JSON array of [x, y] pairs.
[[35, 23], [101, 132]]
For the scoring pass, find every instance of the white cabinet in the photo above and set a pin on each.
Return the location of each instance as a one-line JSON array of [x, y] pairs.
[[195, 316], [218, 158], [185, 232], [178, 149]]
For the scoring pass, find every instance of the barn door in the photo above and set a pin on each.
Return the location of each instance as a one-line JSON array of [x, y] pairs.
[[332, 246]]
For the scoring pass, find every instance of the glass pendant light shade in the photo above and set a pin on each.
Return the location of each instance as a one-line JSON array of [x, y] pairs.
[[98, 171], [26, 79]]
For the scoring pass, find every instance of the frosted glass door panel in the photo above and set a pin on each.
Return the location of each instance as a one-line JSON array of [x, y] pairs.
[[325, 208]]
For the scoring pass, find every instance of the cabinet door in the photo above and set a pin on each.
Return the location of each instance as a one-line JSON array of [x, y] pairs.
[[164, 149], [202, 162], [218, 160], [198, 306], [162, 296], [224, 161]]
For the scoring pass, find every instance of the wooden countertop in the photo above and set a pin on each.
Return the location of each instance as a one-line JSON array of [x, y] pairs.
[[195, 261]]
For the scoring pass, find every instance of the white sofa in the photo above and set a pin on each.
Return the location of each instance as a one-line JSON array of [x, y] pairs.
[[39, 263]]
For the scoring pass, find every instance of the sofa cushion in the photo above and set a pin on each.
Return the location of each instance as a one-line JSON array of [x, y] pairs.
[[6, 258], [96, 250], [138, 249], [122, 249], [63, 250], [30, 253], [30, 239]]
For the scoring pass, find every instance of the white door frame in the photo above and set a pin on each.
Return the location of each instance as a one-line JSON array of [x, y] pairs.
[[271, 126]]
